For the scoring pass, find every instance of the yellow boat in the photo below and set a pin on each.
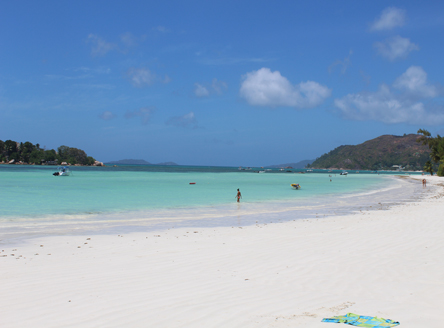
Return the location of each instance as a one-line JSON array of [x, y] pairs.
[[296, 186]]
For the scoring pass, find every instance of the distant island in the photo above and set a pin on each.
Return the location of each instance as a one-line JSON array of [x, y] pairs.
[[137, 162], [298, 165], [386, 152]]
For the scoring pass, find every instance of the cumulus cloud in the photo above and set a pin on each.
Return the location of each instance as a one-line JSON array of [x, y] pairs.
[[266, 88], [200, 90], [185, 121], [401, 103], [395, 47], [99, 46], [144, 113], [390, 18], [414, 81], [107, 115]]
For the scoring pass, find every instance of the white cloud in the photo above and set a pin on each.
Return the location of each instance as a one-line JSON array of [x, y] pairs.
[[344, 64], [200, 90], [396, 47], [128, 39], [390, 18], [99, 46], [161, 29], [414, 81], [185, 121], [107, 115], [266, 88], [218, 86], [166, 79], [140, 77], [144, 113], [391, 107]]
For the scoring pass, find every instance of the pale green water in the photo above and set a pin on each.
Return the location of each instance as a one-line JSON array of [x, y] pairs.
[[33, 191], [95, 198]]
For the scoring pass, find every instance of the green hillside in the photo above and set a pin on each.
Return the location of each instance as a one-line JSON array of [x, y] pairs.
[[14, 152], [377, 154]]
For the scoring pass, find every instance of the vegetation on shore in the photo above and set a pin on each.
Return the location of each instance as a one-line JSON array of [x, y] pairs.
[[28, 153], [436, 146], [386, 152]]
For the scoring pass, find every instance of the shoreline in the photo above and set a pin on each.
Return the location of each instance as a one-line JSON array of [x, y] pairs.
[[383, 263], [396, 190]]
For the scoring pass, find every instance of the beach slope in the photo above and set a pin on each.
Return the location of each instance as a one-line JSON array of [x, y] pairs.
[[384, 262]]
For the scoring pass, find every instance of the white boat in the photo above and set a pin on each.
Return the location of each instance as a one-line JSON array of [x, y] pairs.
[[343, 173], [62, 171]]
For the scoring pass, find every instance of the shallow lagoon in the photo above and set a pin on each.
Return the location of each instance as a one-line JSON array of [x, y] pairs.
[[143, 197]]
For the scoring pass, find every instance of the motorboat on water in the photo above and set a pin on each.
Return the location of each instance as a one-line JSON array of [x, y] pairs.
[[343, 173], [296, 186], [62, 171]]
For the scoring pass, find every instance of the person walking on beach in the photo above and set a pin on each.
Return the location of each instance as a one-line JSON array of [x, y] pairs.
[[238, 196], [424, 183]]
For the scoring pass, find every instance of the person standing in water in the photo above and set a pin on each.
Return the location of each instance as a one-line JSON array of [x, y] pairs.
[[238, 196]]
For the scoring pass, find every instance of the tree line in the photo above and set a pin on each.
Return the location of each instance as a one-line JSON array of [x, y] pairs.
[[436, 145], [29, 153]]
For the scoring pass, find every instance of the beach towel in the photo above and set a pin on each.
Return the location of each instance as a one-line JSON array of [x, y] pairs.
[[362, 321]]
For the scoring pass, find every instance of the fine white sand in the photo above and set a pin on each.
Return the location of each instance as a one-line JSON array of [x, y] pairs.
[[386, 263]]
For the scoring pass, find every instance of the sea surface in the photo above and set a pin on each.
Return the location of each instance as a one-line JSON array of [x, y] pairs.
[[137, 197]]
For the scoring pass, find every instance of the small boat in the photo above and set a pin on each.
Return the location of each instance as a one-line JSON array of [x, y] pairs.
[[296, 186], [62, 171], [192, 182], [343, 173]]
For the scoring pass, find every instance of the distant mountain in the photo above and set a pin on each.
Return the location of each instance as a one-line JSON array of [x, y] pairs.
[[380, 153], [130, 161], [298, 165], [137, 162]]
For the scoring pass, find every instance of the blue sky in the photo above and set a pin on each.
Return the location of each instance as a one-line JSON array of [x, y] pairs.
[[248, 83]]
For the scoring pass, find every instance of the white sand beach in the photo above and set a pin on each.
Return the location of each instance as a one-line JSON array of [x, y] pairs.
[[385, 262]]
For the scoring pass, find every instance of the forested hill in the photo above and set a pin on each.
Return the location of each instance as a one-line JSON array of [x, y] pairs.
[[377, 154]]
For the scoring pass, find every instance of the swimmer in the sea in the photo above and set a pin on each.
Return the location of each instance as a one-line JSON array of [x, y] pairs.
[[238, 196]]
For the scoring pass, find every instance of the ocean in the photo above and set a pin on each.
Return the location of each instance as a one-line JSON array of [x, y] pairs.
[[137, 197]]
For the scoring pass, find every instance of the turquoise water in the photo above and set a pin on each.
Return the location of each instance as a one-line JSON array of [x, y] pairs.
[[33, 191], [33, 200]]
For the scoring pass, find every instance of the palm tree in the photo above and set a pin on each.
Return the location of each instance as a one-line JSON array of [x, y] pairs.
[[428, 167], [436, 146]]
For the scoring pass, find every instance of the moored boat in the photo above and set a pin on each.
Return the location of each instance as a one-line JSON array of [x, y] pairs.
[[62, 171]]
